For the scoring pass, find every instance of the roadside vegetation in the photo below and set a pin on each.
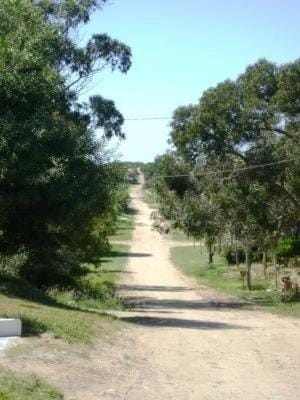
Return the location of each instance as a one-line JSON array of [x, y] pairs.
[[62, 191], [16, 387], [74, 314], [63, 195], [149, 198], [227, 278], [124, 226], [179, 236], [231, 180]]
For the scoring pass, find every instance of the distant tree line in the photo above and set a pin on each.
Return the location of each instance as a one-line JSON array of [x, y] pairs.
[[60, 190], [233, 175]]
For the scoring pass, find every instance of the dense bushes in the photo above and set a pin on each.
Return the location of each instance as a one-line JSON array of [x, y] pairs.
[[288, 246]]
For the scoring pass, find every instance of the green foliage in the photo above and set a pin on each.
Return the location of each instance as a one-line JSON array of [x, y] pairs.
[[233, 176], [230, 255], [72, 313], [288, 246], [60, 192], [20, 387], [11, 266], [148, 170], [107, 116], [193, 262], [124, 226]]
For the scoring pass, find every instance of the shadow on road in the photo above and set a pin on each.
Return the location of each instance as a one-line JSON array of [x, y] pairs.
[[154, 288], [152, 303], [179, 323], [126, 254]]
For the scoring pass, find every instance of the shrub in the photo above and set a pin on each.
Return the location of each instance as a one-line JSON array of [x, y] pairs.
[[230, 255], [288, 246], [11, 266]]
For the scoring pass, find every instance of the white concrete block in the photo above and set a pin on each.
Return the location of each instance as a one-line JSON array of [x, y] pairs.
[[10, 327]]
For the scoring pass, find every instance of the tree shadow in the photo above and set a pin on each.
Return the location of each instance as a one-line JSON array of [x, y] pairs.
[[159, 322], [127, 254], [132, 302], [19, 289], [154, 288], [32, 326], [131, 211], [114, 271]]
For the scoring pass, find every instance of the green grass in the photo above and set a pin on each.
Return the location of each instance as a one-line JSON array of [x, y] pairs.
[[227, 279], [15, 387], [125, 226], [75, 315], [149, 198], [99, 284], [179, 236], [44, 314]]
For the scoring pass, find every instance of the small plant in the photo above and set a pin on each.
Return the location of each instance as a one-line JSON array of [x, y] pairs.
[[11, 266]]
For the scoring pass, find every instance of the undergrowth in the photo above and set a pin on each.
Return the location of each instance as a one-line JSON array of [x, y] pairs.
[[16, 387], [193, 262]]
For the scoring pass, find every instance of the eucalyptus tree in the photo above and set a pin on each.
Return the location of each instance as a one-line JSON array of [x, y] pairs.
[[244, 134], [57, 182]]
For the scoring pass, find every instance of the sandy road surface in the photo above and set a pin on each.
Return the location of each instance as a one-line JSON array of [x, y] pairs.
[[198, 345], [182, 342]]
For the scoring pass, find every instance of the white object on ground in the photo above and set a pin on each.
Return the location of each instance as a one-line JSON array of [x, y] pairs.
[[6, 342], [10, 327]]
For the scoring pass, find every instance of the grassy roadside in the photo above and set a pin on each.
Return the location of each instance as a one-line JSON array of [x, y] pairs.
[[74, 316], [75, 312], [125, 226], [179, 236], [227, 279], [78, 313], [149, 198], [15, 387]]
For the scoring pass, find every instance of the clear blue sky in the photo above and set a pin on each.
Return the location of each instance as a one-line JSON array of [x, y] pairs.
[[180, 48]]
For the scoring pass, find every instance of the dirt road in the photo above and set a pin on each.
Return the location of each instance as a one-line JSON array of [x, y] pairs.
[[181, 341], [197, 345]]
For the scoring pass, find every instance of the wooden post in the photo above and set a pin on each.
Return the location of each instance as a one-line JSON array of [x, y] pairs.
[[210, 255], [275, 270], [265, 265], [248, 266]]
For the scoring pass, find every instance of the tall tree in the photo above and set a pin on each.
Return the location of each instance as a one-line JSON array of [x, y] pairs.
[[241, 146], [56, 180]]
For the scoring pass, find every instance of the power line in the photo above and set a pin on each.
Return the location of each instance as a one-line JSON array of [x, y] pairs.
[[228, 170], [146, 118]]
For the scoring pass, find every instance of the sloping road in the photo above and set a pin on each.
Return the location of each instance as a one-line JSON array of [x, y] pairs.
[[181, 342], [197, 345]]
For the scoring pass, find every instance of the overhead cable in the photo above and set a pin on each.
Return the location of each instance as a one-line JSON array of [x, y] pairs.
[[227, 170]]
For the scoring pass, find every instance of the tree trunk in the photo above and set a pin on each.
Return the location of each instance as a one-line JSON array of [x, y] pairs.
[[219, 246], [237, 255], [265, 263], [237, 258], [248, 265], [210, 253], [275, 270]]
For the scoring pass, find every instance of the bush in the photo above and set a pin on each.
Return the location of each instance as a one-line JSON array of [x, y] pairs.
[[11, 266], [288, 246], [230, 255], [256, 254]]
